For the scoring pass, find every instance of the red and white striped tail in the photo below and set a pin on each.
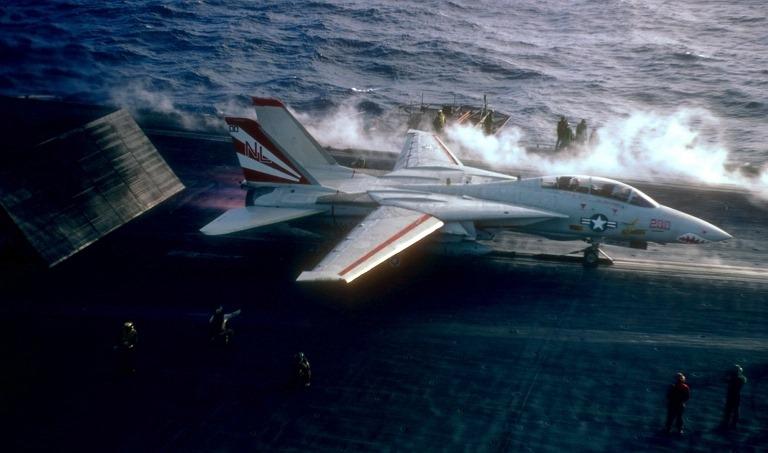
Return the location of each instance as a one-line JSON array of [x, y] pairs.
[[261, 159], [276, 149]]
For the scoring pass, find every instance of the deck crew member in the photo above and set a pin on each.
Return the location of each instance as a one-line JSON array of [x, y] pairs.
[[218, 326], [126, 349], [677, 395], [303, 370], [561, 126], [439, 121], [736, 381], [488, 123], [581, 132], [567, 136]]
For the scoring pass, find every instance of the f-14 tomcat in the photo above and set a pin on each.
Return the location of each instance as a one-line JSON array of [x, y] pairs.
[[289, 176]]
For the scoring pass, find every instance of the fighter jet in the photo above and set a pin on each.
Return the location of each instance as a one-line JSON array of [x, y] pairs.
[[290, 176]]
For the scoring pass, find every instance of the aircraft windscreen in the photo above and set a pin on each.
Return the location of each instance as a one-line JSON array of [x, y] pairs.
[[642, 200], [610, 189]]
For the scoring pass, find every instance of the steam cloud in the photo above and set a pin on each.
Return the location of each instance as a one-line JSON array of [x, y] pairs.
[[644, 145], [346, 127], [679, 146], [142, 101]]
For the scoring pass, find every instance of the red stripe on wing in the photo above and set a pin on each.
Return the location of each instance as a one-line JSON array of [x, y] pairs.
[[447, 151], [392, 239]]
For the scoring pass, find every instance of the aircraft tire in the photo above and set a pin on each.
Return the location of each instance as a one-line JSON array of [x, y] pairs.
[[591, 258]]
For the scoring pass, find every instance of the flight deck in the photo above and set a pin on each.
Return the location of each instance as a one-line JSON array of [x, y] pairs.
[[518, 350]]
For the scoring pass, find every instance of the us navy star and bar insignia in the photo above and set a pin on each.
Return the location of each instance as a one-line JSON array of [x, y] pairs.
[[598, 222]]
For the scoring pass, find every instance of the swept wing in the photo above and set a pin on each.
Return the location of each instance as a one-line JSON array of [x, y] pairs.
[[423, 150], [385, 232]]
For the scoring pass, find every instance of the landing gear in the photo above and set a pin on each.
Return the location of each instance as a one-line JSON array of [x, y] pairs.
[[592, 256]]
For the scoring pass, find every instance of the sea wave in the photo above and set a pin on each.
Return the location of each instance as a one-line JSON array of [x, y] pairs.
[[534, 61]]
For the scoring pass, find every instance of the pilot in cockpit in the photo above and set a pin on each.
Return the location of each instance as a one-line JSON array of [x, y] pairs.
[[620, 193]]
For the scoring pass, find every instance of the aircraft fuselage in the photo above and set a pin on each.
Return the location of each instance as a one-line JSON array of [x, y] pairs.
[[596, 210]]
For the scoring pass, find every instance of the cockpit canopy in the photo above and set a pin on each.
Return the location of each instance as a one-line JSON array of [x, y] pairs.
[[599, 187]]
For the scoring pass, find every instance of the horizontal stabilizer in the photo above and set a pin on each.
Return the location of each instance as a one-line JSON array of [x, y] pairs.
[[242, 219]]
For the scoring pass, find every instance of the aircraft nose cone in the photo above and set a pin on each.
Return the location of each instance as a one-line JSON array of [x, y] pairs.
[[702, 232], [693, 230], [716, 234]]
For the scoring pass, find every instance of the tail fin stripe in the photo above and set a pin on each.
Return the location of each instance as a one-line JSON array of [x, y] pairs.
[[257, 152], [254, 150], [250, 164], [267, 102]]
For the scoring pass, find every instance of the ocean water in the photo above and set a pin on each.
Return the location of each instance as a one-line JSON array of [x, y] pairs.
[[685, 80]]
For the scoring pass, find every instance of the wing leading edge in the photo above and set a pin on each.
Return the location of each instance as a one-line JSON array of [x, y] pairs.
[[382, 234]]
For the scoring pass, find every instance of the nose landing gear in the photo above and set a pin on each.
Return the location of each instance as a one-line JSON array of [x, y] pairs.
[[592, 256]]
